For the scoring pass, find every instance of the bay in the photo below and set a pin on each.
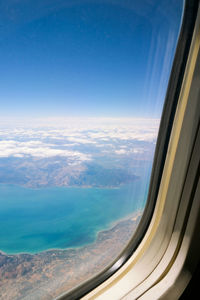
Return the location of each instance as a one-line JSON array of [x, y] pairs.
[[34, 220]]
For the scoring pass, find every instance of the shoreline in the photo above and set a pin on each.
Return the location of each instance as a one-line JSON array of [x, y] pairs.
[[133, 217], [63, 186], [34, 275]]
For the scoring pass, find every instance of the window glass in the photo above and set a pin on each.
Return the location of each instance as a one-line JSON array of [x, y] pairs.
[[82, 89]]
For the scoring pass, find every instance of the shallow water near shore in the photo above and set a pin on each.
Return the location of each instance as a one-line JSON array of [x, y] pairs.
[[34, 220]]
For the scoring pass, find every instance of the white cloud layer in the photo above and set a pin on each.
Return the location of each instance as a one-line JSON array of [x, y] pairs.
[[58, 137], [37, 149]]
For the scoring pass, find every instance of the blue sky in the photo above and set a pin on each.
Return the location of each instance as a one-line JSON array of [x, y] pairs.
[[86, 58]]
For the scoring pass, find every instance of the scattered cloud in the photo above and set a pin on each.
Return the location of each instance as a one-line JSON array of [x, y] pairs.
[[37, 149], [130, 151], [81, 140], [67, 137], [121, 151]]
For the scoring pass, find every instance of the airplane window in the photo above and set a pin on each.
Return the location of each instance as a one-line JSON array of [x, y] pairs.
[[83, 85]]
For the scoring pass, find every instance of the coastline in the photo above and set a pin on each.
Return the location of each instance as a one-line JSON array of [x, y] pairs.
[[25, 186], [133, 216], [36, 274]]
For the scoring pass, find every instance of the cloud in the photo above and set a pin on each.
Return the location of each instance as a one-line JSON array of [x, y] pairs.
[[66, 136], [81, 140], [130, 151], [121, 151], [37, 149]]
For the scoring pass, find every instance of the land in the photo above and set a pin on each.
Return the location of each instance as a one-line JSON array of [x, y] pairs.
[[57, 171], [48, 274]]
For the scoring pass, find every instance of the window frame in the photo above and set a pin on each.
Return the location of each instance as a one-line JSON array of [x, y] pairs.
[[149, 230]]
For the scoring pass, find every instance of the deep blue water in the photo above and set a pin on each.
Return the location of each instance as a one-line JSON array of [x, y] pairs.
[[33, 220]]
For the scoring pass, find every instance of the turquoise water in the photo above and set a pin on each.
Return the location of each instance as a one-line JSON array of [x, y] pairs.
[[33, 220]]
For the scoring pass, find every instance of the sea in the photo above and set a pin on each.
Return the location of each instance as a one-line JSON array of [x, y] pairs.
[[35, 220]]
